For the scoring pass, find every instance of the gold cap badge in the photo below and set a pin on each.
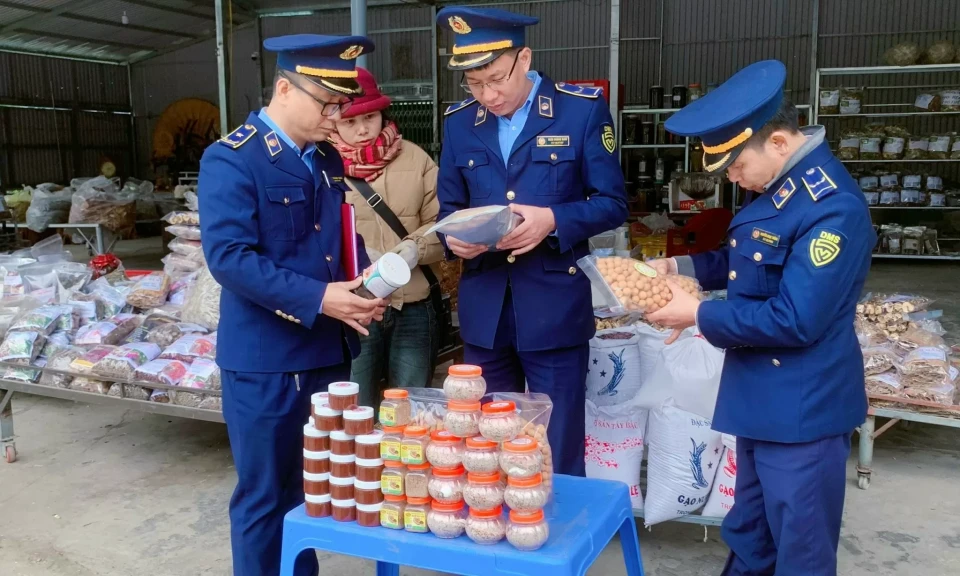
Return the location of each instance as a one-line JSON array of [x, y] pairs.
[[352, 52], [458, 25]]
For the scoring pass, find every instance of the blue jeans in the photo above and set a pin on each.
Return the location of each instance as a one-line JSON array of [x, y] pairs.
[[401, 348]]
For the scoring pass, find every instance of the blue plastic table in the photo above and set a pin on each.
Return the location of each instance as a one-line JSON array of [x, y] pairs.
[[585, 516]]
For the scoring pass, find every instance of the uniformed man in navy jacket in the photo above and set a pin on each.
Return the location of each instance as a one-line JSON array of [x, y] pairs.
[[794, 265], [270, 195], [547, 150]]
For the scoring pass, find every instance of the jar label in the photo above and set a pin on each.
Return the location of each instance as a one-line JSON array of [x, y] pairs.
[[411, 454], [415, 520], [390, 450], [388, 415], [390, 519], [391, 485]]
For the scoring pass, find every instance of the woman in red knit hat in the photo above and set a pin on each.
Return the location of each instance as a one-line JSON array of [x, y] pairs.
[[379, 164]]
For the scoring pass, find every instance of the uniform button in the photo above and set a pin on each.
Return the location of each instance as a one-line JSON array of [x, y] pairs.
[[757, 256], [572, 270], [297, 320], [553, 156], [776, 362], [733, 243], [286, 200], [317, 227], [329, 258], [732, 275], [511, 259], [470, 163], [279, 313], [511, 195]]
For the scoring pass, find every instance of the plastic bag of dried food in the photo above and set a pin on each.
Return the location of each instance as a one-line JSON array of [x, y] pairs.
[[214, 403], [869, 182], [21, 374], [130, 391], [885, 384], [187, 232], [55, 343], [161, 371], [71, 277], [150, 291], [191, 248], [166, 334], [91, 385], [61, 361], [914, 337], [950, 98], [177, 266], [188, 348], [849, 148], [10, 270], [870, 147], [114, 299], [161, 396], [180, 288], [202, 304], [182, 218], [939, 147], [123, 361], [926, 361], [889, 180], [88, 307], [903, 54], [878, 359], [43, 319], [48, 207], [851, 100], [151, 322], [928, 102], [829, 101], [484, 225], [893, 147], [940, 52], [628, 285], [21, 347], [111, 331], [202, 375], [84, 364], [916, 148], [931, 246], [39, 276], [100, 203], [941, 394]]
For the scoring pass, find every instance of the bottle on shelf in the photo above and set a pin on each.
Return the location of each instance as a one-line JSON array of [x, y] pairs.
[[694, 92], [659, 171]]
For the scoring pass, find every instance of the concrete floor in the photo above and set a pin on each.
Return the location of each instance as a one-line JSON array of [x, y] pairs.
[[104, 491]]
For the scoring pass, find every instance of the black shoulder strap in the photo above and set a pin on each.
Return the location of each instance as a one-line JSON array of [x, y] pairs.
[[376, 202]]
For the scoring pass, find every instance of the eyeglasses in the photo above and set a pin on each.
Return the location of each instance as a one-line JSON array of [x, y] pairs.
[[476, 88], [326, 108]]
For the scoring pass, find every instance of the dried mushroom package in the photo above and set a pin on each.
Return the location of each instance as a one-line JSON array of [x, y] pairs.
[[123, 361], [21, 347], [43, 320]]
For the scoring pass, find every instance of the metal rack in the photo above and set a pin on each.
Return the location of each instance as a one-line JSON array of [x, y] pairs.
[[893, 110]]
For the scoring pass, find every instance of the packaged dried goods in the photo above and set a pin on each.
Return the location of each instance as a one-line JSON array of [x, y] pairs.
[[481, 456], [313, 440], [22, 374], [391, 512], [395, 408], [342, 488], [123, 361], [341, 443], [130, 392], [912, 181], [955, 149], [177, 266], [149, 323], [110, 331], [182, 218], [464, 382], [343, 395], [462, 418], [39, 276], [161, 396], [91, 385], [927, 363], [60, 361], [369, 469], [483, 491], [343, 465], [317, 462], [344, 510], [390, 443], [368, 515], [42, 320], [160, 371], [358, 420], [931, 246], [829, 101], [908, 197], [88, 307], [416, 480], [893, 147], [912, 238], [934, 182], [851, 100], [916, 148], [186, 232], [485, 225], [428, 408], [415, 515], [849, 148], [446, 519], [150, 290], [413, 445], [889, 180], [870, 147], [444, 450], [878, 359], [71, 277], [316, 483], [56, 342], [10, 269], [84, 364], [98, 201], [890, 197], [527, 531], [869, 182], [212, 403], [318, 505], [951, 100], [21, 347], [499, 421], [627, 284], [392, 479], [447, 484], [202, 303], [189, 347], [203, 374], [521, 458], [526, 494], [190, 249], [940, 52], [903, 54], [939, 147], [368, 445], [486, 526]]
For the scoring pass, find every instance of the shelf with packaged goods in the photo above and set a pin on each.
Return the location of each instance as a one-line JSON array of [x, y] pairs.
[[888, 69], [915, 257]]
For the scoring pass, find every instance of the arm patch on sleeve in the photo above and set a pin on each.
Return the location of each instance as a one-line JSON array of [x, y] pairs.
[[825, 246]]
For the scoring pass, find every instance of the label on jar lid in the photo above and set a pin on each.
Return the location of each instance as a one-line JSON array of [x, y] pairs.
[[343, 388], [391, 484], [415, 520], [390, 518], [390, 450], [411, 454]]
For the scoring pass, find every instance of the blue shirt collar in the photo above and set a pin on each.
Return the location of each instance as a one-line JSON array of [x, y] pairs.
[[535, 78], [283, 135]]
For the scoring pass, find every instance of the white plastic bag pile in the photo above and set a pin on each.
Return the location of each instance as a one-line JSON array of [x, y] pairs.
[[614, 445], [688, 371]]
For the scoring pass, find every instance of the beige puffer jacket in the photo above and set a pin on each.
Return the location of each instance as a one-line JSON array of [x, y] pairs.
[[409, 187]]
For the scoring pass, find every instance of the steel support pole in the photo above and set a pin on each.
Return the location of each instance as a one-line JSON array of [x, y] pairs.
[[614, 73], [435, 74], [358, 25], [223, 89]]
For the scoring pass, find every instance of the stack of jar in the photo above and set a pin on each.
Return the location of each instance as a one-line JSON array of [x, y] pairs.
[[342, 464]]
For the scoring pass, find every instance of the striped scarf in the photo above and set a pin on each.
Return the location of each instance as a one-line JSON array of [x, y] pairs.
[[369, 162]]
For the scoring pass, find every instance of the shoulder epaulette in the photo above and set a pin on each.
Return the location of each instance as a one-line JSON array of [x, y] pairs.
[[818, 183], [239, 136], [460, 106], [581, 91]]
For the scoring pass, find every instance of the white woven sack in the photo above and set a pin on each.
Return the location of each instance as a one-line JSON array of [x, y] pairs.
[[688, 371], [681, 464], [721, 495], [613, 371], [614, 445]]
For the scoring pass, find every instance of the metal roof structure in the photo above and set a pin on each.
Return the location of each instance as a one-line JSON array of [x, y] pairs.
[[132, 30]]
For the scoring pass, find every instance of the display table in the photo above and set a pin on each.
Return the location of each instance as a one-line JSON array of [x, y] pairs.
[[586, 514]]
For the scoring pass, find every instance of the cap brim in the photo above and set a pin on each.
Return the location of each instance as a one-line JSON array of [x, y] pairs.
[[714, 163], [344, 86], [461, 62]]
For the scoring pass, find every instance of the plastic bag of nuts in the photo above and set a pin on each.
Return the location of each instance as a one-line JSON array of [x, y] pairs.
[[150, 291], [535, 411], [182, 218], [629, 284]]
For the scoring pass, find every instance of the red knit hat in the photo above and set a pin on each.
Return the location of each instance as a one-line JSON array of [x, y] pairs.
[[371, 101]]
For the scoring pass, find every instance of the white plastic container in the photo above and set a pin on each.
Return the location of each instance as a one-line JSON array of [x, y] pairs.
[[389, 272]]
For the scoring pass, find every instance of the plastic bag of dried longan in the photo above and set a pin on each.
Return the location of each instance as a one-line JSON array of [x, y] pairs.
[[629, 285]]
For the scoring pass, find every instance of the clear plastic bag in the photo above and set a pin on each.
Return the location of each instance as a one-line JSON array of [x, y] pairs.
[[202, 375], [150, 290], [48, 207], [202, 303], [62, 361], [21, 374], [177, 266], [43, 319], [879, 359], [38, 276], [884, 384], [71, 277], [183, 218], [190, 249], [98, 201], [151, 322], [88, 307], [21, 347], [56, 342], [123, 361], [166, 334], [162, 371], [485, 225], [187, 232], [628, 285], [190, 347], [111, 331], [10, 270]]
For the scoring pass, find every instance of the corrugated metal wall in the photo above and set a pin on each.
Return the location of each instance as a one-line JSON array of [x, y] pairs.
[[59, 119]]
